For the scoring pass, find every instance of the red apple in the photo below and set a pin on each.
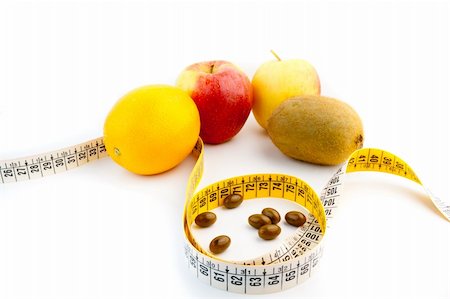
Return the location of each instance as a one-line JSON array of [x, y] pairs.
[[224, 98]]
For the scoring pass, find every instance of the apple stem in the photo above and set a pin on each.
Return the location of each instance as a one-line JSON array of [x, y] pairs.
[[211, 68], [275, 54]]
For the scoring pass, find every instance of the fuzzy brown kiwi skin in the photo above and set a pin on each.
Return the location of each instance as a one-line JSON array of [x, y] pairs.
[[316, 129]]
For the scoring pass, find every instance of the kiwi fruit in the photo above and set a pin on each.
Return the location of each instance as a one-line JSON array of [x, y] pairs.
[[316, 129]]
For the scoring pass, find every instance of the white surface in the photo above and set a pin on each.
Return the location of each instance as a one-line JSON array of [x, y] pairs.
[[101, 232]]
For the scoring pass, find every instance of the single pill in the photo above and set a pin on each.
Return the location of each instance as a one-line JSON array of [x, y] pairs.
[[219, 244], [295, 218], [258, 220], [205, 219], [269, 231], [272, 214], [233, 201]]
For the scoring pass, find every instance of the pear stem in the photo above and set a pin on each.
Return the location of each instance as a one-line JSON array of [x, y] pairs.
[[275, 54]]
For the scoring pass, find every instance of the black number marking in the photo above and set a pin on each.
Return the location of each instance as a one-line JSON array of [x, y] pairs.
[[290, 188], [276, 186], [306, 242], [374, 159], [203, 270], [273, 280], [236, 280], [255, 281], [249, 187], [334, 180], [263, 186], [202, 202], [212, 197], [328, 202], [399, 165], [34, 168], [102, 148], [92, 152], [312, 236], [290, 275], [331, 191], [47, 165], [193, 262], [59, 162], [387, 161], [8, 173], [315, 228], [224, 192], [81, 155], [286, 258], [219, 276], [304, 269], [237, 189], [70, 159], [21, 171]]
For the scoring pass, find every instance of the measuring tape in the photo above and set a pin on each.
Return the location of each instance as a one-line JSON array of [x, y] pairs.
[[28, 168], [295, 259]]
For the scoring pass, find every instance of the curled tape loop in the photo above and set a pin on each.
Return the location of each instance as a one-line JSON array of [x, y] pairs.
[[297, 257]]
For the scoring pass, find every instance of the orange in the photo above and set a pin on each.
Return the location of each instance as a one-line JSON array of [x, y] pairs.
[[152, 129]]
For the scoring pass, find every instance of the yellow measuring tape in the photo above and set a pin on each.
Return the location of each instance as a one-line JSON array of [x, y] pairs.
[[295, 259]]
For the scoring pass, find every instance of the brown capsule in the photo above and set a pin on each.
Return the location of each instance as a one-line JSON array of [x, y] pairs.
[[233, 201], [295, 218], [219, 244], [272, 214], [205, 219], [258, 220], [269, 231]]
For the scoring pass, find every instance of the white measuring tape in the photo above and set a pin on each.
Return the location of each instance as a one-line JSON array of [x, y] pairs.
[[24, 169], [295, 259]]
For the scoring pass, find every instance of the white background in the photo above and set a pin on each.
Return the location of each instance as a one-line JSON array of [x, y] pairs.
[[101, 232]]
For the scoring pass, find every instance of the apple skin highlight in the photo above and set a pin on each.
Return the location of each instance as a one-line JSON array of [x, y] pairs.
[[223, 95]]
